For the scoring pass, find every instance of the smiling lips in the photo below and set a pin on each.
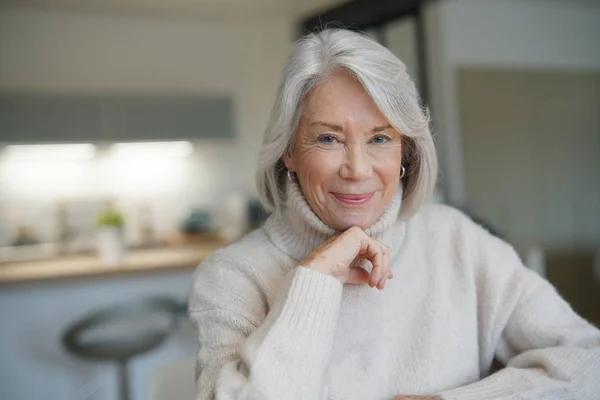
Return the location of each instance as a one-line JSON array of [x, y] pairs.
[[353, 199]]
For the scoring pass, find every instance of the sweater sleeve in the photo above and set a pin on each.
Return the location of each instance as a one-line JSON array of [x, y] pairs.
[[548, 350], [281, 353]]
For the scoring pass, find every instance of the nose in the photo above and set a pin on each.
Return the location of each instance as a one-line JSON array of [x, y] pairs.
[[357, 163]]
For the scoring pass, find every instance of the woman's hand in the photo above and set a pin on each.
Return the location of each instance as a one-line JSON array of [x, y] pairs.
[[335, 257]]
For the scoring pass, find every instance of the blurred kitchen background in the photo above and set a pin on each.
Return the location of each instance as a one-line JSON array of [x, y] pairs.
[[129, 133]]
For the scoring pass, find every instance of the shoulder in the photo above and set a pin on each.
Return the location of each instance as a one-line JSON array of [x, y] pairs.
[[441, 219], [237, 276], [251, 252], [467, 249], [439, 212], [451, 229]]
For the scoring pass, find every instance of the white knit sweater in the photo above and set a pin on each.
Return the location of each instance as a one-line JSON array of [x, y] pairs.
[[270, 329]]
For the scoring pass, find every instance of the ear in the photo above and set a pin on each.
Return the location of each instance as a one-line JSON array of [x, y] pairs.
[[288, 161]]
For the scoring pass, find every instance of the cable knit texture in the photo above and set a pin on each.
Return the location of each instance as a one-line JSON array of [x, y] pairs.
[[271, 329]]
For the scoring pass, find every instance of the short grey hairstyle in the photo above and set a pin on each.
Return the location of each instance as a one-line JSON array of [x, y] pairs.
[[384, 78]]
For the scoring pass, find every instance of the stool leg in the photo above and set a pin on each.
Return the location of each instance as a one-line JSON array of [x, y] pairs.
[[123, 379]]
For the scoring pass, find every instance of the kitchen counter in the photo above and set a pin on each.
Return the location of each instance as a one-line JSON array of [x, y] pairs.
[[138, 260]]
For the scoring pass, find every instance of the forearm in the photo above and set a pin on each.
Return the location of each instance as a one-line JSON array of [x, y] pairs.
[[287, 355], [563, 372], [293, 346], [549, 351]]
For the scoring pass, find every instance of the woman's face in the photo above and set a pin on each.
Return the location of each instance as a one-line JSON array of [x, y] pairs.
[[345, 153]]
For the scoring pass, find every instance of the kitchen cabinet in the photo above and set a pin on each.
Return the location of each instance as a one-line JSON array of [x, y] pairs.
[[72, 118]]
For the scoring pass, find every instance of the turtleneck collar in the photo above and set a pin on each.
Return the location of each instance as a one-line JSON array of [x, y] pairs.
[[298, 230]]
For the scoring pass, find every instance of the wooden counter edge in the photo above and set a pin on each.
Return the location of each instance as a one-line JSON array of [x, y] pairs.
[[183, 257]]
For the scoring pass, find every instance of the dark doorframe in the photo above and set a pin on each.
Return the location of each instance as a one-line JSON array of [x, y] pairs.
[[374, 14], [362, 14]]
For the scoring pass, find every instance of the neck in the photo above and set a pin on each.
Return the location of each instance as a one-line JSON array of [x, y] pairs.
[[298, 230]]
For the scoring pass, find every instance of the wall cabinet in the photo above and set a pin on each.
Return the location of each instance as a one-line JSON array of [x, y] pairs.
[[53, 118]]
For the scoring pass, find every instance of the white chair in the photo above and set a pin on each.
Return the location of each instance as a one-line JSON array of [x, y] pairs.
[[173, 381]]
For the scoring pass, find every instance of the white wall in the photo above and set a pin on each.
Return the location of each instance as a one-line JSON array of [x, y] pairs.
[[533, 33], [507, 33], [532, 153]]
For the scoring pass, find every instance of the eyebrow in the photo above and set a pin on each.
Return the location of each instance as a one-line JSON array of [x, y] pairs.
[[381, 128], [339, 128]]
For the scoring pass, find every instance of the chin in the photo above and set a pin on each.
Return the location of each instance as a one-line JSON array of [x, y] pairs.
[[345, 222]]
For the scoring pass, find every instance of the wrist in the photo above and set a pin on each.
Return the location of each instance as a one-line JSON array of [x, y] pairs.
[[324, 271], [316, 266]]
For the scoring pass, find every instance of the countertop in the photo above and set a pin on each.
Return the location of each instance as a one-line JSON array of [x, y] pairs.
[[162, 258]]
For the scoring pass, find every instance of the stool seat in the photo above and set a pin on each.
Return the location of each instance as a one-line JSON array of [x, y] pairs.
[[122, 331]]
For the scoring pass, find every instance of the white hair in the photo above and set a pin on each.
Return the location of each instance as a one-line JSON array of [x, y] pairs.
[[384, 78]]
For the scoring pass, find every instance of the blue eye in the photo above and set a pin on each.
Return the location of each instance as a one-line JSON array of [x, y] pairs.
[[327, 139], [380, 139]]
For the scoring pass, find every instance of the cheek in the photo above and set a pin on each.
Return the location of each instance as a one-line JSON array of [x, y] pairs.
[[319, 165], [388, 164]]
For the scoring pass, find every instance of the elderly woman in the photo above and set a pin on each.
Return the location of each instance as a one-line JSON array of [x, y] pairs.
[[354, 289]]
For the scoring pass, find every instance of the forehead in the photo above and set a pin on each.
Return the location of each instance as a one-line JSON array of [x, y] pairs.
[[341, 98]]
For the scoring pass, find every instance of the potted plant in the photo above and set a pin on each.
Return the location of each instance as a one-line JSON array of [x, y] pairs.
[[111, 243]]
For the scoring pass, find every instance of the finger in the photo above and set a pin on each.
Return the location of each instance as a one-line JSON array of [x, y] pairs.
[[385, 274], [353, 239], [378, 274], [378, 255], [372, 250], [384, 280], [374, 253], [357, 276]]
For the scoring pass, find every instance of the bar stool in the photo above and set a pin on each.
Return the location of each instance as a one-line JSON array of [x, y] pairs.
[[122, 331]]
